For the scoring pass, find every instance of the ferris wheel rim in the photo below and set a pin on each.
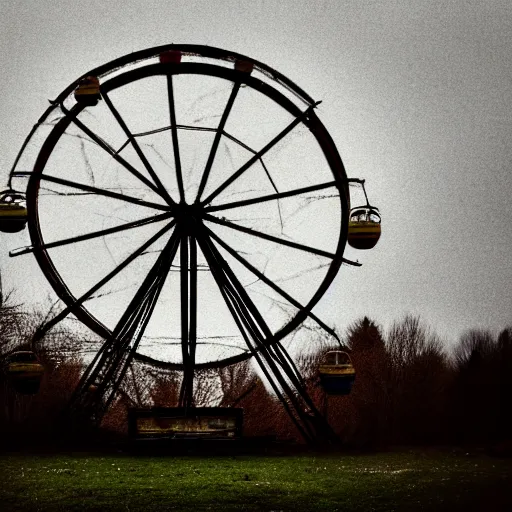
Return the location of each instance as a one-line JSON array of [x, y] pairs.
[[187, 49]]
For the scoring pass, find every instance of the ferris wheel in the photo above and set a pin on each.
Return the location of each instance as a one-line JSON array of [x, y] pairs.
[[188, 206]]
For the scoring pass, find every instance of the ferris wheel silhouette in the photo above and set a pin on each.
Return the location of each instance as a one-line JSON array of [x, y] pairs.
[[188, 206]]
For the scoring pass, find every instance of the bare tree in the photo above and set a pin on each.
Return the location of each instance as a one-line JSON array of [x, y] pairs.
[[236, 382], [418, 381]]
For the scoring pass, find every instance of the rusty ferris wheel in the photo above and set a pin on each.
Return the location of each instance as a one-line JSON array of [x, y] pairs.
[[189, 207]]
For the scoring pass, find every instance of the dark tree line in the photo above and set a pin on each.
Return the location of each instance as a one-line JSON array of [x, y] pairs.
[[408, 390]]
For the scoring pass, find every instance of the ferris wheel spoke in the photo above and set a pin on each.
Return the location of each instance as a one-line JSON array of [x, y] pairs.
[[232, 298], [104, 192], [118, 351], [185, 398], [112, 152], [247, 302], [274, 348], [151, 285], [254, 329], [259, 154], [175, 141], [76, 303], [271, 238], [161, 190], [270, 283], [249, 334], [131, 327], [184, 295], [188, 285], [95, 234], [216, 140], [270, 197], [193, 298]]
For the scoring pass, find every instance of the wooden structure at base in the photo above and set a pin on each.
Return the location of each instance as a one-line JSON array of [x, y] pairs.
[[185, 423]]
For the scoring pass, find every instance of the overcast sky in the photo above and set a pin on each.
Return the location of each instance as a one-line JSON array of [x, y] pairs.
[[415, 93]]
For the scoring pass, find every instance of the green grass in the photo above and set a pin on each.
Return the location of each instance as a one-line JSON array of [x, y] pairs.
[[412, 480]]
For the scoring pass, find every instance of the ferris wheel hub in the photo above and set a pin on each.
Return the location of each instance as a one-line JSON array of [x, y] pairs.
[[188, 216]]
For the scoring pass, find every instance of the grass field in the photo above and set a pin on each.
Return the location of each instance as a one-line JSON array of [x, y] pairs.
[[408, 480]]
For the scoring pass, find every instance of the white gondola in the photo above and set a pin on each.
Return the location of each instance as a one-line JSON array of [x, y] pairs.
[[364, 227]]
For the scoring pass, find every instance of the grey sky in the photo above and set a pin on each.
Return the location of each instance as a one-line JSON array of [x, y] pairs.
[[415, 93]]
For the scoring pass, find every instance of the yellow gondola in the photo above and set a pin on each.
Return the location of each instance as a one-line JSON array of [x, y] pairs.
[[13, 211], [88, 91], [24, 371], [337, 373], [364, 227]]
